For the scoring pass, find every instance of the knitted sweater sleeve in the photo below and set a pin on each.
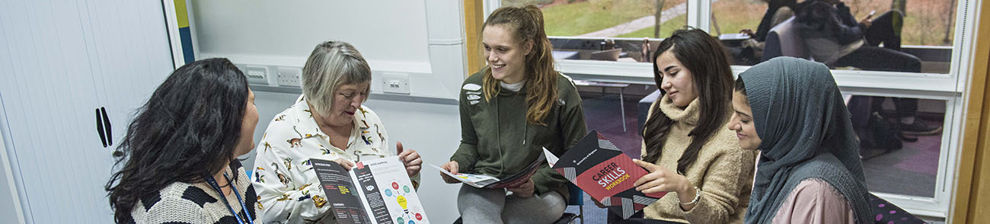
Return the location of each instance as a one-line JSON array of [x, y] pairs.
[[724, 183]]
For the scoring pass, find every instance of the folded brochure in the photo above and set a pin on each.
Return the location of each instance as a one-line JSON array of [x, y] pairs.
[[486, 181], [373, 191], [599, 168]]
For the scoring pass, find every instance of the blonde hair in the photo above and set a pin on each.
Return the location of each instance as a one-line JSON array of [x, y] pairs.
[[526, 23], [332, 64]]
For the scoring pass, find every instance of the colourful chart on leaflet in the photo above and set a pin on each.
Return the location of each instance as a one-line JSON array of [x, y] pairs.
[[397, 197], [386, 194]]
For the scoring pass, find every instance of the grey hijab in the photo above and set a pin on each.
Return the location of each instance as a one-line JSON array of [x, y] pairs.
[[806, 133]]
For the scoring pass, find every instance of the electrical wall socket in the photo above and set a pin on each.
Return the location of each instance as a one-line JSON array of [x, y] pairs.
[[395, 83], [256, 74], [289, 77]]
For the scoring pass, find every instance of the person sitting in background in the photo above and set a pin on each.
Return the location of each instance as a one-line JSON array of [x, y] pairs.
[[751, 50], [809, 167], [686, 146], [777, 12], [181, 148], [326, 122], [510, 111], [834, 37]]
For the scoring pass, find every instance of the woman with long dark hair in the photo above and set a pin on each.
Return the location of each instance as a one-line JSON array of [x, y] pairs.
[[179, 154], [687, 148]]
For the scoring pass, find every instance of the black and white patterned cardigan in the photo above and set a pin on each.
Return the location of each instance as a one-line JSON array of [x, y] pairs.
[[196, 203]]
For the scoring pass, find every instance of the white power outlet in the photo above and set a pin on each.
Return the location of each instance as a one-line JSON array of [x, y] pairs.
[[289, 77], [256, 74], [395, 83]]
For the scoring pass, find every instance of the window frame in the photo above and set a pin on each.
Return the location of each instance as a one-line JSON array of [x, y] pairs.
[[949, 87]]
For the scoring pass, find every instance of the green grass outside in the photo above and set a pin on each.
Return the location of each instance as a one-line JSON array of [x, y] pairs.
[[730, 21], [582, 17], [914, 32], [666, 28]]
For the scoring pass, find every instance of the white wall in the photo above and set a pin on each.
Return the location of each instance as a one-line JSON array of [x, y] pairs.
[[432, 129], [291, 28], [422, 40]]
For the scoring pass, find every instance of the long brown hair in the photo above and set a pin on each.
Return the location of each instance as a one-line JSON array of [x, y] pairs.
[[708, 62], [527, 25]]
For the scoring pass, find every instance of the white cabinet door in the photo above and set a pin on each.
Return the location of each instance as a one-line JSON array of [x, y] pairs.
[[62, 60], [134, 59]]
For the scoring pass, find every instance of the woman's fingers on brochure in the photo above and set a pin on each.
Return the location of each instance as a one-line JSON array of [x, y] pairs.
[[662, 184], [398, 148], [414, 166], [452, 168], [413, 170], [648, 166], [418, 161], [345, 163], [649, 183], [655, 172], [657, 189], [408, 155], [658, 176], [410, 158]]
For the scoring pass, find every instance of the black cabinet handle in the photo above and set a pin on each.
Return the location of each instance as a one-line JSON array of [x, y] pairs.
[[99, 128], [106, 124]]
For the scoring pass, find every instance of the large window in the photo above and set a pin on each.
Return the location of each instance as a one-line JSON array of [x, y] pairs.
[[901, 140], [919, 40], [901, 36], [914, 50], [608, 30]]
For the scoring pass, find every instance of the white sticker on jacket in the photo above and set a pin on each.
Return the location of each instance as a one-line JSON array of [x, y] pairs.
[[472, 87], [473, 97], [473, 102]]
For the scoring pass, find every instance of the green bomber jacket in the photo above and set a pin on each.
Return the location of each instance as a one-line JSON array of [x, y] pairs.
[[496, 140]]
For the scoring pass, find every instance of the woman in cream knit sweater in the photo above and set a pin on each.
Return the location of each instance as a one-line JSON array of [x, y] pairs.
[[687, 148]]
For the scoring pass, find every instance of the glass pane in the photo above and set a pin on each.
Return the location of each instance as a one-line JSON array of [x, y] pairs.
[[901, 139], [609, 30], [919, 40]]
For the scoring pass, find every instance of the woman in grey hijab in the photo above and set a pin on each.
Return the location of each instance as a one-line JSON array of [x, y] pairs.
[[809, 167]]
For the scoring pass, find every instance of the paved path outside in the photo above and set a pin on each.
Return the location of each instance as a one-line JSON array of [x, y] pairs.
[[637, 24]]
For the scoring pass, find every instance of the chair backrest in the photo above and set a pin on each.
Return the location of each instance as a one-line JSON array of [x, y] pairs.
[[784, 39]]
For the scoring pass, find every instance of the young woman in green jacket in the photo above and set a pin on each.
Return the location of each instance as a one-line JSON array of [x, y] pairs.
[[510, 111]]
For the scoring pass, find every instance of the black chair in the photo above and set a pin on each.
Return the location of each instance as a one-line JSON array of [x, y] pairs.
[[784, 40]]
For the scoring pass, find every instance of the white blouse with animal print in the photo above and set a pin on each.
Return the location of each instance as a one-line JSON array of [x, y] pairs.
[[288, 190]]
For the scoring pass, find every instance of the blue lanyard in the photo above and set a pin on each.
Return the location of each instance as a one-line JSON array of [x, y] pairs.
[[213, 183]]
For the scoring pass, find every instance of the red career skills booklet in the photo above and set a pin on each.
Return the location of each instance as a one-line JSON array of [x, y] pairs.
[[599, 168]]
